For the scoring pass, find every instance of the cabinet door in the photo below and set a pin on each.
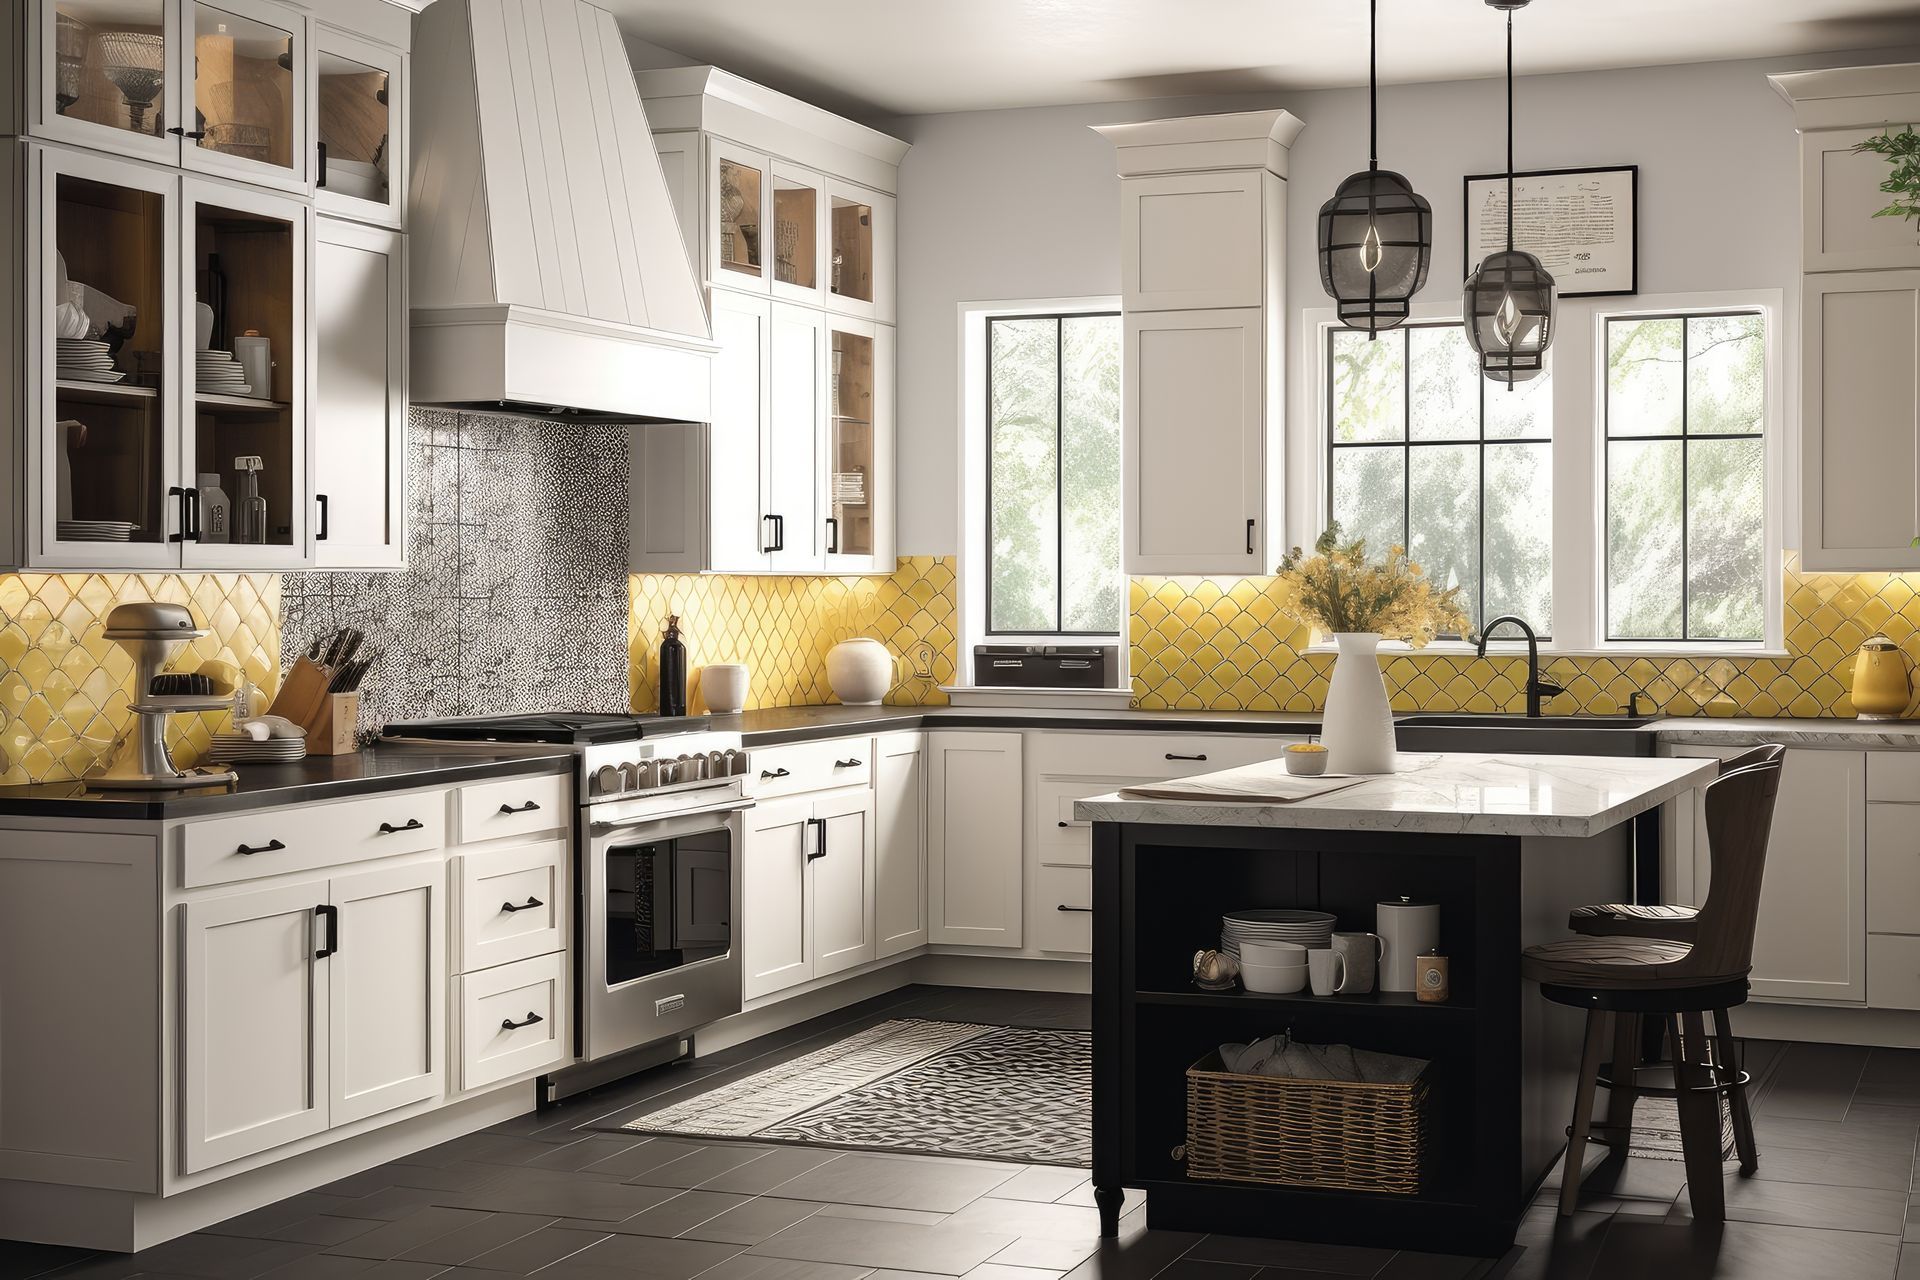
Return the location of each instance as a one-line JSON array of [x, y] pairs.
[[99, 75], [386, 984], [254, 1055], [1840, 191], [1860, 421], [973, 838], [797, 398], [900, 843], [247, 64], [739, 199], [860, 249], [360, 397], [737, 463], [799, 235], [843, 881], [248, 250], [776, 946], [1192, 455], [359, 99], [855, 470], [1192, 240], [104, 379]]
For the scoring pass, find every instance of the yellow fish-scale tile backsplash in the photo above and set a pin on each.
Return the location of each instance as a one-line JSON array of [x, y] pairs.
[[782, 627], [1200, 644], [65, 689]]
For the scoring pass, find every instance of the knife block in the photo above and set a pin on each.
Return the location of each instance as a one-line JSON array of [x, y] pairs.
[[335, 729]]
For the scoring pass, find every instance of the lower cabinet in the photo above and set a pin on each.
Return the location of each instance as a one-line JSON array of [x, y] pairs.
[[974, 830], [513, 1018], [807, 893], [900, 843], [309, 1006]]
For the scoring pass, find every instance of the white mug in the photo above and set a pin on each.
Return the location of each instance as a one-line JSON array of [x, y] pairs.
[[1326, 970], [724, 686]]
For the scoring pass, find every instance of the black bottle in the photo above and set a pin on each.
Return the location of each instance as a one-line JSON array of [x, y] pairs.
[[673, 670]]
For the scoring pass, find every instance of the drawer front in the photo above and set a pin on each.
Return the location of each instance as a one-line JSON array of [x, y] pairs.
[[810, 766], [518, 993], [1062, 839], [311, 836], [1063, 920], [1893, 971], [513, 903], [1150, 756], [1894, 775], [514, 807]]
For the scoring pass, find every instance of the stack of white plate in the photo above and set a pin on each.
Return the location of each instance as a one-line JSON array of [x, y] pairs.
[[1310, 929], [220, 374], [84, 360], [94, 530], [238, 748]]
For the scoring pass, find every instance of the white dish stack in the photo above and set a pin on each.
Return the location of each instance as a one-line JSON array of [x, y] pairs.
[[242, 748], [94, 530], [84, 360], [1310, 929], [219, 374]]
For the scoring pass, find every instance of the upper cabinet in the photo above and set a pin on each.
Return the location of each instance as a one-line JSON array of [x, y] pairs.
[[789, 213], [1859, 325], [360, 126]]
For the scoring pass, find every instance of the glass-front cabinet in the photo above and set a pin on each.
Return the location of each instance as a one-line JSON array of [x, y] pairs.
[[859, 251], [740, 187], [102, 74], [248, 58], [858, 449], [799, 240], [361, 134]]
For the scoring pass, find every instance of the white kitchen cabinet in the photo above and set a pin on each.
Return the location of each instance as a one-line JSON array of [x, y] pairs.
[[900, 843], [1198, 241], [776, 944], [254, 1017], [797, 404], [360, 397], [842, 888], [799, 246], [974, 860], [1063, 910], [1811, 939], [1840, 193], [860, 251], [1860, 421], [856, 449], [386, 991], [361, 130], [247, 65]]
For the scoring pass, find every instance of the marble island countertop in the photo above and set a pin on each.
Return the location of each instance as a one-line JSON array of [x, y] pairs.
[[1453, 794]]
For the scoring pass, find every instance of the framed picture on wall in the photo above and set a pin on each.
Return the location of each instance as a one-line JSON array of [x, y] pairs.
[[1580, 223]]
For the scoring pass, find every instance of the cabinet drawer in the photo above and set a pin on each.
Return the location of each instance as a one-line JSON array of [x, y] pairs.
[[1893, 971], [1062, 839], [311, 836], [517, 993], [1894, 775], [512, 903], [1062, 909], [1149, 756], [514, 807], [810, 766]]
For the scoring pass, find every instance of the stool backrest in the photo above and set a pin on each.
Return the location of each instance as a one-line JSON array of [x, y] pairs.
[[1739, 816]]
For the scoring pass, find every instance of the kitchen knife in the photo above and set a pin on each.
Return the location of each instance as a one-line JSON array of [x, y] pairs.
[[333, 652], [355, 637]]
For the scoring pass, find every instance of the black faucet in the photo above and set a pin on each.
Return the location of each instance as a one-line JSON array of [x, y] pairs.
[[1537, 690]]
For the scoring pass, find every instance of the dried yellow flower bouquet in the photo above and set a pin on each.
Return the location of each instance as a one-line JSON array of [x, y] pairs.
[[1337, 589]]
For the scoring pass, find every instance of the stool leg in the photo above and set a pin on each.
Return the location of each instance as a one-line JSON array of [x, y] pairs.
[[1582, 1111], [1729, 1059], [1699, 1118], [1621, 1097]]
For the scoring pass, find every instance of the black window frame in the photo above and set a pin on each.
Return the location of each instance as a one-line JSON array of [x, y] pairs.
[[1407, 444], [1685, 437], [1059, 453]]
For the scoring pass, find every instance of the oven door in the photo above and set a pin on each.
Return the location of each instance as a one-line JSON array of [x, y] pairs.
[[662, 894]]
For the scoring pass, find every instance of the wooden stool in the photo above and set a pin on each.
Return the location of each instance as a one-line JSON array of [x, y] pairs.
[[1621, 976]]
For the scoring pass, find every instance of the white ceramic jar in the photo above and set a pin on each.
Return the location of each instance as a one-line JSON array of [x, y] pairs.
[[860, 671], [724, 686]]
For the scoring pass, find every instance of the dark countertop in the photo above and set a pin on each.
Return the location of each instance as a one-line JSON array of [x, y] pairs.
[[262, 786], [775, 725]]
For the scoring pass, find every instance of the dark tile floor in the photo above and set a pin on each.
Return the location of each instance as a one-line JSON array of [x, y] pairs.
[[562, 1194]]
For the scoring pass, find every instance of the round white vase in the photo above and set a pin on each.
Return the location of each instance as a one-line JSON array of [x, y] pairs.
[[1358, 725], [860, 672], [724, 686]]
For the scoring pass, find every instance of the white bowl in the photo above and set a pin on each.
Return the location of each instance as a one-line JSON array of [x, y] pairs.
[[1273, 979], [1273, 954]]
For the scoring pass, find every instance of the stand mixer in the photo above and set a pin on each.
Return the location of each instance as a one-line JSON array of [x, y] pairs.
[[154, 634]]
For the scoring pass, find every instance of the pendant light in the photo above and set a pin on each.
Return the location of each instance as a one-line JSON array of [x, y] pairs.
[[1376, 235], [1508, 301]]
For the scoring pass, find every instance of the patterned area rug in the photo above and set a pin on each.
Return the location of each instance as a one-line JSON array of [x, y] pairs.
[[914, 1085]]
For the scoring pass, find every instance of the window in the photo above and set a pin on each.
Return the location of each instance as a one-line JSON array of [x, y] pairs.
[[1426, 454], [1686, 477], [1052, 465]]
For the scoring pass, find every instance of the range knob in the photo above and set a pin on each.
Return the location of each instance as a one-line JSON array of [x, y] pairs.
[[607, 780]]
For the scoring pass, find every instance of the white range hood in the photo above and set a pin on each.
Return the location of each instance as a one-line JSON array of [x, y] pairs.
[[548, 274]]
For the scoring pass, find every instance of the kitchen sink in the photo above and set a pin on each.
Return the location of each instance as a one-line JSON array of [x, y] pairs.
[[1449, 720], [1526, 735]]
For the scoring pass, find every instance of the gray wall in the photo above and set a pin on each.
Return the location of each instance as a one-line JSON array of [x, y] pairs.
[[1024, 204]]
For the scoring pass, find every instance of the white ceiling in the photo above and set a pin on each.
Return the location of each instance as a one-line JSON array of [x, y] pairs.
[[908, 57]]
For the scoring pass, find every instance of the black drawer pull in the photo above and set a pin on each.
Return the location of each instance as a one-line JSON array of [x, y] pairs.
[[1063, 823], [271, 846], [1084, 910], [412, 824], [777, 773], [528, 807], [1202, 756], [528, 905], [848, 763], [508, 1024]]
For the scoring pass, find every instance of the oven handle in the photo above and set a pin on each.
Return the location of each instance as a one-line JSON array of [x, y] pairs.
[[725, 806]]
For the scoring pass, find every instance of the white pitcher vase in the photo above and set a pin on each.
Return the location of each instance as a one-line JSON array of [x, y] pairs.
[[1358, 725]]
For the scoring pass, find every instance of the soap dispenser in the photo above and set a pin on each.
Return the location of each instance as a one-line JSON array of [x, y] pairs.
[[250, 509]]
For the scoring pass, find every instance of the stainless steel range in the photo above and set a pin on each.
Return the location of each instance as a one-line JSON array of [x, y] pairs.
[[656, 880]]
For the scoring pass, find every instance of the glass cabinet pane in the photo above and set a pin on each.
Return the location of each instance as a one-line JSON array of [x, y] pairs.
[[850, 439], [796, 232], [244, 447], [852, 249], [353, 128], [741, 187], [110, 63], [243, 87]]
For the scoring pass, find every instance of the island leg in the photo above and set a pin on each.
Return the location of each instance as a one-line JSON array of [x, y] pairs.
[[1109, 1200]]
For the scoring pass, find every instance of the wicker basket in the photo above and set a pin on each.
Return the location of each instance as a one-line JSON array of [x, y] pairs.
[[1304, 1133]]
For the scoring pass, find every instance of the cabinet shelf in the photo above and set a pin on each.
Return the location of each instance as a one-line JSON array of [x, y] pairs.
[[209, 400], [102, 392], [1374, 1003]]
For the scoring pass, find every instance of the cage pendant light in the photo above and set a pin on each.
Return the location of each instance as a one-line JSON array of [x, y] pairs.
[[1508, 301], [1376, 234]]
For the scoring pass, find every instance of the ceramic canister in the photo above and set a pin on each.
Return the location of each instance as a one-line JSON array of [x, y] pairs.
[[1408, 930]]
